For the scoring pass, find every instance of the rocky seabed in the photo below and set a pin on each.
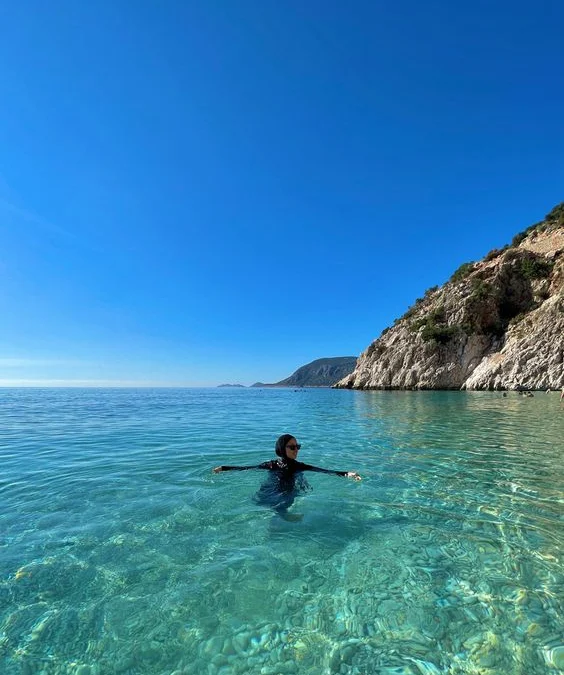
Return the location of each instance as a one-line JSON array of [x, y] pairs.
[[362, 612]]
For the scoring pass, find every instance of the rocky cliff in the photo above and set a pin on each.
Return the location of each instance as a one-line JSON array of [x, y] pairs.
[[496, 324]]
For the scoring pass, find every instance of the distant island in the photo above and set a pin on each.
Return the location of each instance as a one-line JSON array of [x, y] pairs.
[[240, 386], [319, 373]]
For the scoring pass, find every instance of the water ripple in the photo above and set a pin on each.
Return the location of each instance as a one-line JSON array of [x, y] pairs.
[[121, 552]]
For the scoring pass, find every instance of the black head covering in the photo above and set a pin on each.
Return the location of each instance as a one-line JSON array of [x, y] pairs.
[[280, 448]]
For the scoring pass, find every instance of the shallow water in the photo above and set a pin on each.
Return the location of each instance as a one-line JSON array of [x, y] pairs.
[[120, 551]]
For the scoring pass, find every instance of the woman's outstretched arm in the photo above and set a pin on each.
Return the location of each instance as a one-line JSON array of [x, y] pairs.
[[264, 465], [346, 474]]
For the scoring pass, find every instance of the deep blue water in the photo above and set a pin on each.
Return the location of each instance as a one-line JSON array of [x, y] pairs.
[[120, 551]]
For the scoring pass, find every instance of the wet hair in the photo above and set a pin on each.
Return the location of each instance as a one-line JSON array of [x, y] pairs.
[[280, 447]]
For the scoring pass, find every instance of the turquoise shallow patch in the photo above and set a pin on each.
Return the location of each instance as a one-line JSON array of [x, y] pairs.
[[120, 551]]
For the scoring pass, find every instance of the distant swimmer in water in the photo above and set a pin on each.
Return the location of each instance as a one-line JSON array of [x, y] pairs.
[[285, 478]]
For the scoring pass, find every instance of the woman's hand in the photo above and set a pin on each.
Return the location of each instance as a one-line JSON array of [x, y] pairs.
[[217, 469], [353, 474]]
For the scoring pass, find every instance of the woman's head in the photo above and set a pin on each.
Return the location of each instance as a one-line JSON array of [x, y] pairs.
[[287, 446]]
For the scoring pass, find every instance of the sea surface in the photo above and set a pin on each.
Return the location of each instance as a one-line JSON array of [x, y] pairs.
[[121, 551]]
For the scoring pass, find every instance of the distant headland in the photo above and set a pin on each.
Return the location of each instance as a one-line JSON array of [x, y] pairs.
[[319, 373]]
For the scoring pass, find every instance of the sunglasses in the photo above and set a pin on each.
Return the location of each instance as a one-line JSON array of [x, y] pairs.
[[293, 447]]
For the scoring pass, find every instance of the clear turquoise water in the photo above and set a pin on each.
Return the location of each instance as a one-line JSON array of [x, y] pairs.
[[120, 552]]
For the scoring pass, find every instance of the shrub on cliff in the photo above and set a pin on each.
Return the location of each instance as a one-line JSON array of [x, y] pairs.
[[495, 252], [530, 265], [462, 272], [533, 267], [556, 216], [435, 327], [481, 290], [439, 333], [518, 238], [434, 317]]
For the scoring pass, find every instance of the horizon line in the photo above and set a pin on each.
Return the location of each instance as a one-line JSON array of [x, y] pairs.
[[97, 384]]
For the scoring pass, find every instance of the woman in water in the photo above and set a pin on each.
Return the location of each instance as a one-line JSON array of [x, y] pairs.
[[285, 478]]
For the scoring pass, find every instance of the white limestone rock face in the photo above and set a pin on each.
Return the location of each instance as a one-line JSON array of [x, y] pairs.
[[498, 324], [533, 354]]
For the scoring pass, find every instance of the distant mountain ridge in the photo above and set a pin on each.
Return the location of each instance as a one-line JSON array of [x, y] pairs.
[[319, 373]]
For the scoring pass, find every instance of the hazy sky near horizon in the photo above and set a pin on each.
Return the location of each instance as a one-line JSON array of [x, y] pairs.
[[203, 192]]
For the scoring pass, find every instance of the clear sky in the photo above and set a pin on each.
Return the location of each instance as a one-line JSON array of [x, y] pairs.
[[205, 192]]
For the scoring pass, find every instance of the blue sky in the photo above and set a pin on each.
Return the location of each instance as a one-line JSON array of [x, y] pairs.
[[202, 192]]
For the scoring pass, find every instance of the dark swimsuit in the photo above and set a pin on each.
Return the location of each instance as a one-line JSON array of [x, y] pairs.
[[284, 481]]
